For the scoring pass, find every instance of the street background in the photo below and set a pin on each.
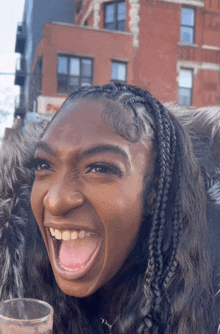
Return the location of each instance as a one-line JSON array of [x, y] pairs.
[[11, 12]]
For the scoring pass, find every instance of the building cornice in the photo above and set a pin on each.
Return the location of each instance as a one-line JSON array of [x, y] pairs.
[[210, 47], [188, 44], [92, 28], [195, 3], [196, 66]]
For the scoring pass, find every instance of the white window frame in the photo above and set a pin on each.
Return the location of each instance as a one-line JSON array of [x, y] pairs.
[[79, 76], [185, 84], [116, 62], [116, 20], [189, 27]]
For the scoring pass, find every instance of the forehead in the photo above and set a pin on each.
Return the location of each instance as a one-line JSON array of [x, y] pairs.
[[80, 127], [83, 119]]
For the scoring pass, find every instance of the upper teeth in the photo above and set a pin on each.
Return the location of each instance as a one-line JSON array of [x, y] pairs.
[[68, 234]]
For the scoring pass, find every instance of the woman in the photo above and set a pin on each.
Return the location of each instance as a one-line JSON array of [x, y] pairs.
[[120, 203]]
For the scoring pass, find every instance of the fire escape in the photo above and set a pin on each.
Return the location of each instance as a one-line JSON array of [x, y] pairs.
[[20, 71]]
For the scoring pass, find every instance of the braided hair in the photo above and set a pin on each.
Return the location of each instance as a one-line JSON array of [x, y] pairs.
[[169, 289]]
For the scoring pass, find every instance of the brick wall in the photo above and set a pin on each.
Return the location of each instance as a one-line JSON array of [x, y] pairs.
[[102, 46], [150, 46]]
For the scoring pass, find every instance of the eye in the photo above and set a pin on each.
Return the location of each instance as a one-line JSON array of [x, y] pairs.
[[41, 164], [99, 168]]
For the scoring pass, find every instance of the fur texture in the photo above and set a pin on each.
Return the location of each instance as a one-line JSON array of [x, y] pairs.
[[16, 218], [203, 126]]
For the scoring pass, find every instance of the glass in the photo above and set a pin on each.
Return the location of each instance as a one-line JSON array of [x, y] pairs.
[[25, 316], [187, 25], [118, 71], [86, 82], [121, 26], [110, 26], [62, 65], [110, 13], [62, 83], [185, 78], [73, 82], [188, 17], [187, 35], [78, 6], [74, 66], [185, 97], [115, 14], [121, 11], [86, 67]]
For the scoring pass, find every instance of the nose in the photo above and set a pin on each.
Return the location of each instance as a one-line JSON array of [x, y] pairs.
[[62, 198]]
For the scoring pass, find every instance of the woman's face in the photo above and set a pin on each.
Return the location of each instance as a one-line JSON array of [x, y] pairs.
[[87, 195]]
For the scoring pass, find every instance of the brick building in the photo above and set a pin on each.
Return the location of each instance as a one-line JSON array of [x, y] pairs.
[[29, 33], [170, 47]]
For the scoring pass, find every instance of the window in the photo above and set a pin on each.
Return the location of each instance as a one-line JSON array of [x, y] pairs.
[[185, 87], [118, 71], [78, 6], [187, 25], [73, 72], [115, 14]]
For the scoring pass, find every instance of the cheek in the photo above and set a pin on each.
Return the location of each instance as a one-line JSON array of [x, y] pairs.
[[108, 201], [118, 200], [33, 199], [120, 211], [37, 202], [121, 215]]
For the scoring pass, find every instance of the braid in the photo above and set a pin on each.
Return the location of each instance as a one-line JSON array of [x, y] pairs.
[[155, 263], [176, 226], [172, 266], [166, 171]]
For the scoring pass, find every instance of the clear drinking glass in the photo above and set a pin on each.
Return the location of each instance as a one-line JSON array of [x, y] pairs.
[[25, 316]]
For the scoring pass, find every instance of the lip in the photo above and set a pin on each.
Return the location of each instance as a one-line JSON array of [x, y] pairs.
[[67, 273], [63, 227]]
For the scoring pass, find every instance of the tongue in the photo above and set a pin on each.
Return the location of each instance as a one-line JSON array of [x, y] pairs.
[[76, 253]]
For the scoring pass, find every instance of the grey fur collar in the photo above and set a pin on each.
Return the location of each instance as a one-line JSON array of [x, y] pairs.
[[203, 125], [16, 219]]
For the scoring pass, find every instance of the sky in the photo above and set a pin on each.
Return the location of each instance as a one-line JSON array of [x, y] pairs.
[[11, 12]]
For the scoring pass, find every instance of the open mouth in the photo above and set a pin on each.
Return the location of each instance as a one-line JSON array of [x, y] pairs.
[[75, 250]]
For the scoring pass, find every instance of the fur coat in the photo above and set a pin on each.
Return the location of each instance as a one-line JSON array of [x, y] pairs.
[[16, 219], [203, 125], [19, 233]]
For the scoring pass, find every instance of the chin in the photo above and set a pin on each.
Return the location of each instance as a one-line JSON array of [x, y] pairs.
[[78, 289]]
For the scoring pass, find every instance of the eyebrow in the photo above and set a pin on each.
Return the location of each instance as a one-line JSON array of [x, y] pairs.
[[98, 149], [105, 148], [45, 147]]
